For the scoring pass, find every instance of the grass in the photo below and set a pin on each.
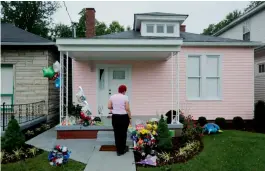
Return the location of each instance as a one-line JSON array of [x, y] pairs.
[[41, 163], [228, 151]]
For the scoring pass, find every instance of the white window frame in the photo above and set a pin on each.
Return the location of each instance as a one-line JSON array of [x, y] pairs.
[[155, 24], [246, 29], [203, 76], [257, 68], [152, 26]]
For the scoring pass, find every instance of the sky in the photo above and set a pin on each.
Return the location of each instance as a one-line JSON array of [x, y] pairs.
[[201, 14]]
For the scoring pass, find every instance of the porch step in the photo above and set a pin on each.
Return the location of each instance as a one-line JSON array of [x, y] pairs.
[[109, 134], [107, 138]]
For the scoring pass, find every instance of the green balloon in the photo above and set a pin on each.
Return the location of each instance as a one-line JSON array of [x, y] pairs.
[[48, 72]]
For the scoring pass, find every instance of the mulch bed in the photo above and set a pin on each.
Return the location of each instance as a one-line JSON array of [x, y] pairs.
[[24, 154], [177, 144]]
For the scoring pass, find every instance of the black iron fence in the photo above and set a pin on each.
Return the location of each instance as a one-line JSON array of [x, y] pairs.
[[22, 112]]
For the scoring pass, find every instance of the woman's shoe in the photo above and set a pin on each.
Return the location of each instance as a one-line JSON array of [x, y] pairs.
[[119, 154]]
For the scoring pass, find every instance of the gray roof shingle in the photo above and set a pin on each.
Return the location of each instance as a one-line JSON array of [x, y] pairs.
[[187, 37], [11, 33]]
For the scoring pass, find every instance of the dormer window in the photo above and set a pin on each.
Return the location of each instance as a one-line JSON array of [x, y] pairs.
[[160, 28], [158, 24], [149, 28], [170, 29]]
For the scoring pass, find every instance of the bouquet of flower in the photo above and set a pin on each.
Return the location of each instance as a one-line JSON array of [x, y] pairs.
[[59, 155]]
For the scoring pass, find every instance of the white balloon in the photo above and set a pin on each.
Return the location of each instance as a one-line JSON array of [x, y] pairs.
[[86, 109], [80, 96], [56, 66]]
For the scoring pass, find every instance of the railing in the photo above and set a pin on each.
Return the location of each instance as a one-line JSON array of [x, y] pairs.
[[22, 112]]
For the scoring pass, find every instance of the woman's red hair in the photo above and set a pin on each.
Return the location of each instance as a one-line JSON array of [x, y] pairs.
[[122, 89]]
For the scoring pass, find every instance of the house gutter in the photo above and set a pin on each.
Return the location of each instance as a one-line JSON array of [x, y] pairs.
[[239, 44], [28, 43]]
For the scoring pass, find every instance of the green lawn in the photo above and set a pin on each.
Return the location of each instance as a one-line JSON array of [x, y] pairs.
[[41, 163], [228, 151]]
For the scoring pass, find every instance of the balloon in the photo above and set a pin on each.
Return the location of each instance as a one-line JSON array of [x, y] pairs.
[[57, 82], [56, 66], [48, 72], [80, 96], [56, 75], [86, 109], [149, 160]]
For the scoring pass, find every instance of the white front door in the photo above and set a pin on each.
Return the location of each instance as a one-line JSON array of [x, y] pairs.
[[110, 78], [117, 77]]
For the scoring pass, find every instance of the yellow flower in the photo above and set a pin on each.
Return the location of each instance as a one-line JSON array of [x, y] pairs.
[[149, 126], [155, 127]]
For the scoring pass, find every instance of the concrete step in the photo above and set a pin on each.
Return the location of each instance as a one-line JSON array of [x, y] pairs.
[[107, 138], [111, 141], [109, 134]]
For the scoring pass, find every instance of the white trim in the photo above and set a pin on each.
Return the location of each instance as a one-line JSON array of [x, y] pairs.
[[250, 44], [106, 67], [257, 73], [87, 48], [203, 57], [169, 18], [122, 42], [28, 43], [164, 24]]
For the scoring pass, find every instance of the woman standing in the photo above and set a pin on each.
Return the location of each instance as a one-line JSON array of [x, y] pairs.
[[121, 118]]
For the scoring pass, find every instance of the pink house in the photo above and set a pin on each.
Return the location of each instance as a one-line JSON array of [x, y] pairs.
[[164, 68]]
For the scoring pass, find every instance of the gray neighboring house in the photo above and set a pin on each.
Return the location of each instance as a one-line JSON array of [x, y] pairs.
[[251, 27], [23, 56]]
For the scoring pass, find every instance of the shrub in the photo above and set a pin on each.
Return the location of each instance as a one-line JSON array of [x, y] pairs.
[[259, 116], [238, 123], [191, 131], [164, 138], [221, 122], [202, 121], [189, 149], [13, 137]]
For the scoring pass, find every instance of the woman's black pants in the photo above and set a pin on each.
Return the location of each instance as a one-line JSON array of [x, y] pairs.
[[120, 125]]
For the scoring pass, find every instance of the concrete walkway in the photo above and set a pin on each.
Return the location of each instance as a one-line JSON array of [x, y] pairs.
[[87, 152], [109, 161]]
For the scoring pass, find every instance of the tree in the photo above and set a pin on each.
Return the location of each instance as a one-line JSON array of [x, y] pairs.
[[13, 137], [164, 138], [253, 4], [100, 27], [32, 16], [60, 31], [213, 28]]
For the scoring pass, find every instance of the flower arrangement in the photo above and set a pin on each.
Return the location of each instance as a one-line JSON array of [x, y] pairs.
[[144, 136], [59, 155]]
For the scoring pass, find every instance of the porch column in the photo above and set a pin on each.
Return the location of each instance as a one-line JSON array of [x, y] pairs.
[[177, 85], [67, 60], [61, 101], [172, 87]]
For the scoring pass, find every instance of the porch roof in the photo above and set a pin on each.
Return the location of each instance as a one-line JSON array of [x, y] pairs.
[[119, 49]]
